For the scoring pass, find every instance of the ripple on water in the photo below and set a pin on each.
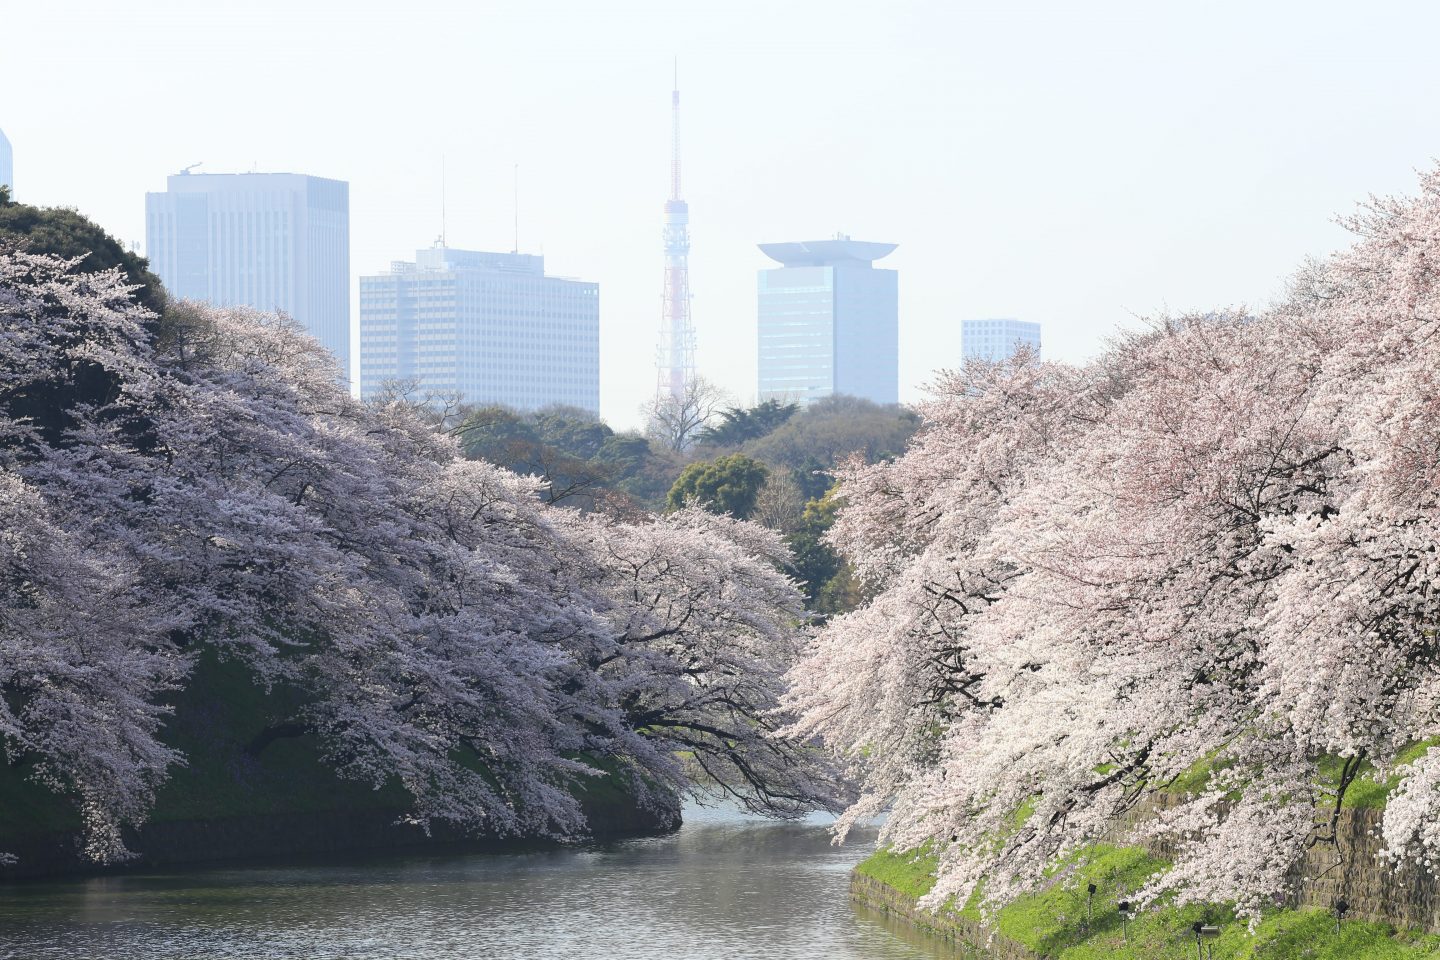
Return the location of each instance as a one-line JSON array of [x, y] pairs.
[[725, 886]]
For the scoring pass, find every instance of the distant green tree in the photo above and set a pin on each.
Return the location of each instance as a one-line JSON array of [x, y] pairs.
[[490, 432], [813, 477], [739, 425], [579, 459], [841, 593], [628, 450], [557, 445], [724, 485], [648, 481], [65, 233], [818, 567], [577, 432], [832, 429]]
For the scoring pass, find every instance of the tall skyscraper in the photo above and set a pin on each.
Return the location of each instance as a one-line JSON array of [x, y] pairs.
[[490, 326], [829, 322], [7, 164], [997, 339], [273, 241], [675, 358]]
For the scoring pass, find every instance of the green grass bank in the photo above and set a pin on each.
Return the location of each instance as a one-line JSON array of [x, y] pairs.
[[1053, 923]]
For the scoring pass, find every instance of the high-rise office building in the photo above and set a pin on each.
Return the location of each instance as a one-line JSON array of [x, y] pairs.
[[829, 322], [997, 339], [491, 327], [7, 164], [273, 241]]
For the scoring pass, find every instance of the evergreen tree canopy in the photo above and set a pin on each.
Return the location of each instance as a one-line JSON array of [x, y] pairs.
[[738, 425], [724, 485], [63, 232]]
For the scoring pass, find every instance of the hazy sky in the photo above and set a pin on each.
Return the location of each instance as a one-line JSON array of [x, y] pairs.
[[1077, 164]]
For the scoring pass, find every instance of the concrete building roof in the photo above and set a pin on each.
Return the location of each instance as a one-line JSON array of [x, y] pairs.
[[819, 253]]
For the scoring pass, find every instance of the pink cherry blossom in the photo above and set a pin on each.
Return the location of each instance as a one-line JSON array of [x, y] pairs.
[[1215, 547]]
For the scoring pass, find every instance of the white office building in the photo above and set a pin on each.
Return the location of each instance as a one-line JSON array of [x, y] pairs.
[[490, 327], [829, 322], [273, 241], [998, 339]]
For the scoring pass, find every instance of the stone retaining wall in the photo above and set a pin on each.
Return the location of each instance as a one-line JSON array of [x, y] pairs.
[[1349, 868], [874, 895]]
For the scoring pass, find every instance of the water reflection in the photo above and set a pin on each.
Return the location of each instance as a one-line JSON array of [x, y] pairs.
[[726, 886]]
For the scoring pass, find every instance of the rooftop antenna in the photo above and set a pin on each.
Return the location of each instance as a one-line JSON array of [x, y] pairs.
[[442, 201], [515, 199], [675, 134]]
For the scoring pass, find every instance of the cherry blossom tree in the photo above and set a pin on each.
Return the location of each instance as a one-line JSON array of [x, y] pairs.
[[700, 625], [84, 656], [82, 670], [222, 493], [1211, 551]]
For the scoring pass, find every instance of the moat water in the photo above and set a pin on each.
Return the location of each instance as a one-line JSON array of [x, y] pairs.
[[725, 887]]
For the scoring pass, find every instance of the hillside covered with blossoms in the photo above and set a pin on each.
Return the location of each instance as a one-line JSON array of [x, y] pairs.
[[202, 486], [1205, 564]]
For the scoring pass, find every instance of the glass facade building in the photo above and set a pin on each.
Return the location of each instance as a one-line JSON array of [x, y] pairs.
[[491, 327], [997, 339], [273, 241], [829, 322]]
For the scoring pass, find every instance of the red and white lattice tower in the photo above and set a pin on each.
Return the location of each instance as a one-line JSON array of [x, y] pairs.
[[675, 358]]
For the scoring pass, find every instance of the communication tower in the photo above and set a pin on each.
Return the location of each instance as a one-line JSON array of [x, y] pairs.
[[675, 357]]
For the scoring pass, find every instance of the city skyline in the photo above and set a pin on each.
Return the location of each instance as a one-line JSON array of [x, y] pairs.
[[1034, 159], [421, 536]]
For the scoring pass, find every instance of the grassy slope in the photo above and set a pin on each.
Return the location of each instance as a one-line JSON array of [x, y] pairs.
[[1369, 789], [913, 874], [1052, 922]]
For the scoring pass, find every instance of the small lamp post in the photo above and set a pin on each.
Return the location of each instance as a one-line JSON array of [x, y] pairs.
[[1089, 905], [1124, 906], [1203, 931], [1341, 908]]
